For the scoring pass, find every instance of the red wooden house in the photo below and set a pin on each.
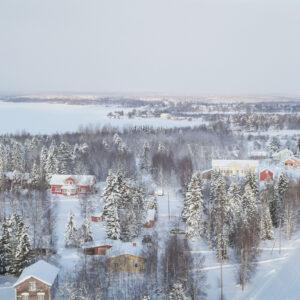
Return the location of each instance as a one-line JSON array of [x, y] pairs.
[[265, 175], [71, 185], [95, 248], [97, 217]]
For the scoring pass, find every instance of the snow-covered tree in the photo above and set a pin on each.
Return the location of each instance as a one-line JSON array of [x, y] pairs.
[[111, 196], [220, 217], [22, 255], [71, 233], [177, 292], [85, 234], [65, 159], [251, 180], [193, 207], [6, 248], [145, 161], [266, 226]]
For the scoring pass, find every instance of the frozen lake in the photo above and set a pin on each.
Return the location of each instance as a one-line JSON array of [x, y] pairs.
[[49, 118]]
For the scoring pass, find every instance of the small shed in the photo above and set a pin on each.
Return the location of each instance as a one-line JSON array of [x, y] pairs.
[[95, 248], [265, 175], [97, 217]]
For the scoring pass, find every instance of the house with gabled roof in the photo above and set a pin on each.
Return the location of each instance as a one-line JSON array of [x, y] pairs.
[[125, 257], [71, 185], [37, 281]]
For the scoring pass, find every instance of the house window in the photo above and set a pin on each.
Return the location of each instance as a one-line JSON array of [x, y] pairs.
[[116, 266], [136, 265], [32, 286], [25, 296], [40, 296]]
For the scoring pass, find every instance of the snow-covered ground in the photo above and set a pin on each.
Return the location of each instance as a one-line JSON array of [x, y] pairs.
[[51, 118]]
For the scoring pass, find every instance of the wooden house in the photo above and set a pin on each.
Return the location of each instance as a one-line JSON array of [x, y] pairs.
[[266, 175], [38, 282], [125, 257], [292, 162], [95, 248], [72, 185]]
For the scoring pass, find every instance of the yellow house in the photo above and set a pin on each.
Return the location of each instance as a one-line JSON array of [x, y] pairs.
[[126, 263], [236, 167], [125, 257]]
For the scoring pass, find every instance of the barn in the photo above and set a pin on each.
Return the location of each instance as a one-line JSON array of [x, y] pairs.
[[265, 175], [71, 185]]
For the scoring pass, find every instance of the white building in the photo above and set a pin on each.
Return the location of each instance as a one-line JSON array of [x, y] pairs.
[[235, 167]]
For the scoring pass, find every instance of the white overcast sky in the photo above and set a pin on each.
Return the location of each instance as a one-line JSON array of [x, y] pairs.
[[163, 46]]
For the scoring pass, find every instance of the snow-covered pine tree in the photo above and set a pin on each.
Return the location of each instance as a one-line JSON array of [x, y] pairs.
[[22, 255], [111, 196], [113, 229], [35, 175], [177, 292], [251, 180], [2, 159], [17, 157], [266, 226], [6, 250], [193, 207], [220, 218], [65, 158], [234, 209], [52, 164], [85, 234], [145, 162], [71, 236], [274, 145]]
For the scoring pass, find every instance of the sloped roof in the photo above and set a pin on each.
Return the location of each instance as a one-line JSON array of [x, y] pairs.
[[234, 162], [57, 179], [40, 270], [123, 248]]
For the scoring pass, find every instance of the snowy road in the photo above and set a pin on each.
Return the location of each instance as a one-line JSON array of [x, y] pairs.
[[283, 283]]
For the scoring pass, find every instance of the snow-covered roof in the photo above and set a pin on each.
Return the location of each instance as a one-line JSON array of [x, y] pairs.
[[122, 248], [7, 293], [150, 215], [40, 270], [219, 163], [95, 244], [57, 179]]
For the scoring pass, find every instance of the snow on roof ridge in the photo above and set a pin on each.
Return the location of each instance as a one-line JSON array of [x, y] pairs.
[[59, 179], [40, 270]]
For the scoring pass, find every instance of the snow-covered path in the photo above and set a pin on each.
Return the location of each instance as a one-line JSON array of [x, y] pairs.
[[281, 283], [63, 207]]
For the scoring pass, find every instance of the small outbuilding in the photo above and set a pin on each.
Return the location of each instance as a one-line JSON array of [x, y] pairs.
[[95, 248], [265, 175]]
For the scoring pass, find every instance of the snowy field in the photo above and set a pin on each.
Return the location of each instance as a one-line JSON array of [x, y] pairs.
[[48, 118]]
